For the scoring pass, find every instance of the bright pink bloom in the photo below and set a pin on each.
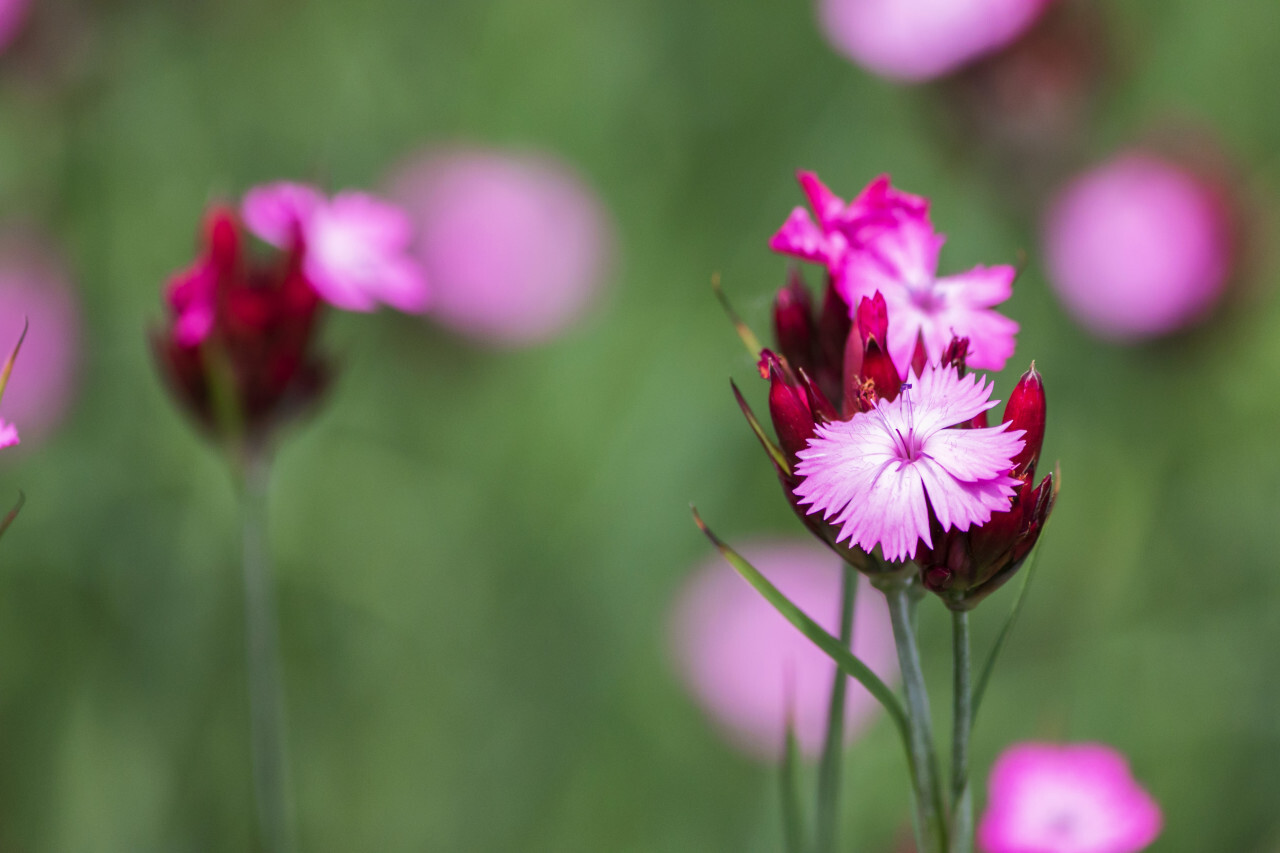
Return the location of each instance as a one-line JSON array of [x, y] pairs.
[[902, 263], [35, 287], [1137, 247], [883, 241], [8, 434], [916, 40], [871, 473], [517, 247], [743, 662], [356, 245], [1080, 798]]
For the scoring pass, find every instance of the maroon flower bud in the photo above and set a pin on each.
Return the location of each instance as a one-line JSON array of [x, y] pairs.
[[1026, 411], [794, 327], [870, 373], [238, 350], [788, 406], [834, 324], [956, 353]]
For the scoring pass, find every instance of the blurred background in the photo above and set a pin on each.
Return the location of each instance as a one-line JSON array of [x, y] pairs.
[[479, 538]]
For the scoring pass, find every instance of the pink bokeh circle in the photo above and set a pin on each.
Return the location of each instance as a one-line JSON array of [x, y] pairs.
[[743, 662], [516, 247], [1137, 247]]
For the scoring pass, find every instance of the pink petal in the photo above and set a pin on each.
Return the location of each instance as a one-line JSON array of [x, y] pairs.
[[975, 454], [826, 205], [8, 434], [942, 398], [980, 287], [274, 212], [798, 236], [992, 336]]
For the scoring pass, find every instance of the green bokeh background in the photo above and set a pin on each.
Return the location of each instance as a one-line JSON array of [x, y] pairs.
[[476, 550]]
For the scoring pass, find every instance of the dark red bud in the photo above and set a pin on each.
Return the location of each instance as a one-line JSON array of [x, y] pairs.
[[833, 328], [223, 238], [873, 319], [919, 358], [788, 406], [1026, 411], [879, 370], [956, 354], [823, 410], [793, 323]]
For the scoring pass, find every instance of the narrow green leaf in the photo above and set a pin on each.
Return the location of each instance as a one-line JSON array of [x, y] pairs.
[[980, 687], [775, 453], [748, 337], [844, 659], [12, 514]]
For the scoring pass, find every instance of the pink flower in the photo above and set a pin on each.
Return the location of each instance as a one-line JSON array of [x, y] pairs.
[[36, 288], [916, 40], [517, 247], [879, 474], [743, 662], [356, 245], [1137, 247], [883, 241], [13, 13], [8, 434], [1079, 798]]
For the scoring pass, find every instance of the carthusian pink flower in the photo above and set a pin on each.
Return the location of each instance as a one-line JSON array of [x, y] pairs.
[[914, 40], [516, 246], [1138, 247], [745, 664], [883, 241], [356, 245], [1078, 798], [36, 292], [878, 474]]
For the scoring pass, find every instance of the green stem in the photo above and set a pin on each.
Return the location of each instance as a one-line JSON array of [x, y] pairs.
[[833, 747], [924, 762], [266, 706], [962, 725]]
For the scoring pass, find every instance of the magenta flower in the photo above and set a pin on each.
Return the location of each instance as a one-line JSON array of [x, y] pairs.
[[878, 474], [883, 241], [13, 13], [1138, 247], [915, 40], [517, 246], [8, 434], [356, 245], [1079, 798], [744, 663]]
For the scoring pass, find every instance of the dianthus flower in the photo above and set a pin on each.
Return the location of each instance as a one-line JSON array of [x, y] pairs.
[[1079, 798], [238, 348], [878, 474], [357, 245], [883, 241]]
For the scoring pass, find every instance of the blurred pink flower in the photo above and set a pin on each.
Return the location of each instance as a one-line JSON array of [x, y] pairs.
[[8, 434], [1078, 798], [35, 287], [356, 245], [914, 40], [1137, 247], [13, 13], [741, 660], [516, 246], [871, 473]]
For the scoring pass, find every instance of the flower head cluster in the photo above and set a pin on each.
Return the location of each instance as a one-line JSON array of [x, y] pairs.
[[1078, 798], [883, 241], [239, 346]]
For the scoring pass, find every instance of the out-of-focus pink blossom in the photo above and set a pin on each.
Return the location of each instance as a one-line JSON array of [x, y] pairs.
[[13, 13], [1138, 247], [915, 40], [516, 246], [871, 474], [8, 434], [1077, 798], [356, 245], [35, 288], [743, 662]]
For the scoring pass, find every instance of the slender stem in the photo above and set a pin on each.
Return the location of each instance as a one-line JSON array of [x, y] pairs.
[[833, 747], [924, 763], [266, 701], [962, 725]]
